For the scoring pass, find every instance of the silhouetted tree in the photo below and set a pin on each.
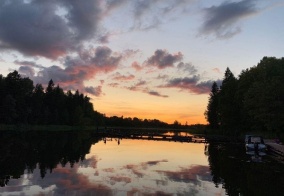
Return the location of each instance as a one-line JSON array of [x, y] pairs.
[[212, 114], [255, 101]]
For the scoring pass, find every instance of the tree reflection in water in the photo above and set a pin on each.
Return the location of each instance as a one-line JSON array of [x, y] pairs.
[[229, 166], [22, 151], [238, 175]]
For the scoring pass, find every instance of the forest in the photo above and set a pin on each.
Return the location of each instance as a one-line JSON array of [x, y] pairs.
[[253, 101], [22, 103]]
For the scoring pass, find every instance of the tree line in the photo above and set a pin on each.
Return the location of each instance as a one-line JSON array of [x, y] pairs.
[[253, 101], [23, 103]]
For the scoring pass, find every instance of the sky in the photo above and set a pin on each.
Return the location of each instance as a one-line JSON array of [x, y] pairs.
[[151, 59]]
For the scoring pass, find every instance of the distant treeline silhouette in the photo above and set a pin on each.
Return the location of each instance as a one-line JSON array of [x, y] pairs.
[[252, 102], [23, 103]]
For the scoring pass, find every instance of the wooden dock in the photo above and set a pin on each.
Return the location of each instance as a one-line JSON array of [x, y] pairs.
[[151, 136]]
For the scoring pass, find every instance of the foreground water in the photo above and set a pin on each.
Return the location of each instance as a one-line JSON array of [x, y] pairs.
[[80, 164]]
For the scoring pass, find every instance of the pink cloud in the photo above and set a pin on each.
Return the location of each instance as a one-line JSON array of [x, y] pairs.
[[120, 179], [110, 170], [217, 70], [189, 174], [78, 69], [136, 66]]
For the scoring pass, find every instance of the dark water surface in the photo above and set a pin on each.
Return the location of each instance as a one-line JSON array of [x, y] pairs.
[[78, 163]]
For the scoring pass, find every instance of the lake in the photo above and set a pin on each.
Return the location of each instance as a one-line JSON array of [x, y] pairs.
[[79, 163]]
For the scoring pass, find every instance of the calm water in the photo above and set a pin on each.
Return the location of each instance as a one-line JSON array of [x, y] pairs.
[[75, 163]]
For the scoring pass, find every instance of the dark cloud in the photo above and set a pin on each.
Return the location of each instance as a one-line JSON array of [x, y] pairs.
[[83, 17], [138, 86], [54, 28], [96, 91], [28, 64], [33, 29], [141, 83], [90, 162], [104, 39], [163, 77], [191, 84], [222, 20], [27, 71], [136, 169], [135, 191], [124, 179], [155, 93], [151, 163], [187, 67], [162, 59], [47, 28], [114, 84]]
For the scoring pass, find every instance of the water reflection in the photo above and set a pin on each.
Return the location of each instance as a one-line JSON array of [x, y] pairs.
[[241, 174], [24, 152], [77, 163], [57, 163]]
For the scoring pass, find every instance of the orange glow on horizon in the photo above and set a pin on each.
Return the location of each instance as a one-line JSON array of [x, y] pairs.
[[169, 118], [179, 106]]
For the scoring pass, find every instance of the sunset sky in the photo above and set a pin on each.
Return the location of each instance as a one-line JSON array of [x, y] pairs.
[[139, 58]]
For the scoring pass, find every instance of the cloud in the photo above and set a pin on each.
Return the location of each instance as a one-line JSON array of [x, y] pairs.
[[96, 91], [192, 174], [113, 84], [190, 84], [90, 162], [222, 20], [71, 182], [53, 29], [124, 179], [163, 77], [136, 66], [136, 169], [155, 93], [217, 70], [114, 4], [152, 163], [28, 63], [118, 76], [187, 67], [47, 28], [151, 14], [110, 170], [27, 71], [162, 59], [83, 67], [137, 86]]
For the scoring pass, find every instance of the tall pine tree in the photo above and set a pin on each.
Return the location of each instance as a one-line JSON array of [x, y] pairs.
[[211, 114]]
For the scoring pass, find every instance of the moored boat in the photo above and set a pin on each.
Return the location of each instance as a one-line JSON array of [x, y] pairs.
[[255, 145]]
